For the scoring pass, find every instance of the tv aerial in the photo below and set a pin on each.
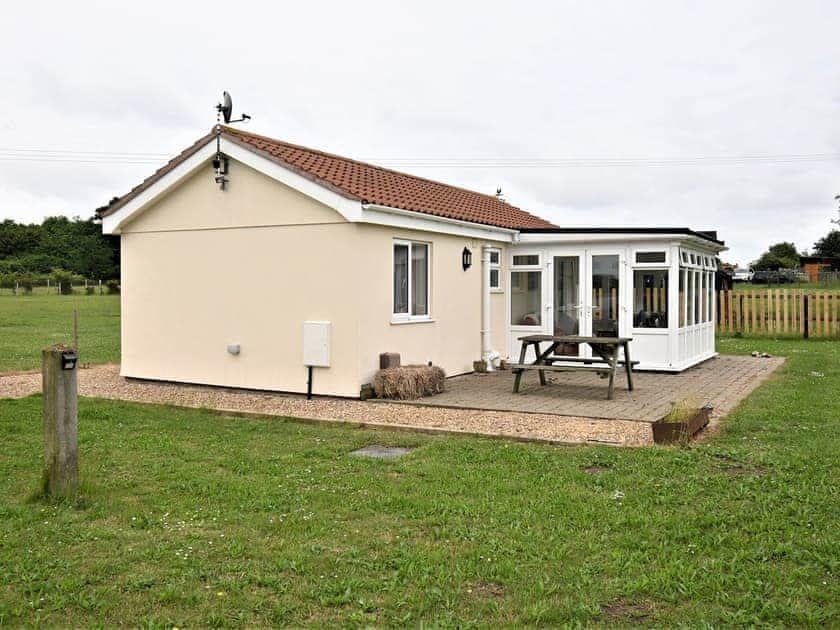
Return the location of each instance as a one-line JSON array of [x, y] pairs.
[[224, 109]]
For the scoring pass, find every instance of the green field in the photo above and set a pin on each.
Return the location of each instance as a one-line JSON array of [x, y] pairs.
[[29, 323], [794, 286], [192, 518]]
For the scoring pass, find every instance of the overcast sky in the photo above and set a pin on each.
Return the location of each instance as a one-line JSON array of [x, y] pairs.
[[608, 94]]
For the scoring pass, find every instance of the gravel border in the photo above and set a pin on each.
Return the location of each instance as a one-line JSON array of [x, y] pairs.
[[104, 381]]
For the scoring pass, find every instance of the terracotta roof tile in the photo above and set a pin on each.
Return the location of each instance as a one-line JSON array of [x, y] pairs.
[[374, 184]]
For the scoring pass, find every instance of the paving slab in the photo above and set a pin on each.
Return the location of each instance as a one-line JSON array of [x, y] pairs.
[[381, 452], [720, 382]]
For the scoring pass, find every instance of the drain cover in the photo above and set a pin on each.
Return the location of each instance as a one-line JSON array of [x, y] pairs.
[[381, 452]]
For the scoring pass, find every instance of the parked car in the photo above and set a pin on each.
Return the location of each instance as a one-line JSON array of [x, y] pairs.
[[782, 276], [742, 275]]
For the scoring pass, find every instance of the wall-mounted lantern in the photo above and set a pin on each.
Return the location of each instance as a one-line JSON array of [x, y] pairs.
[[68, 360], [466, 259]]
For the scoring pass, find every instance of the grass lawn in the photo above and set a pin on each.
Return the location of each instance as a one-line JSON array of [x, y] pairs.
[[32, 322], [191, 518], [798, 286]]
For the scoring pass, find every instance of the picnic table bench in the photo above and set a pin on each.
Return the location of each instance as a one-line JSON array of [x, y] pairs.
[[606, 361]]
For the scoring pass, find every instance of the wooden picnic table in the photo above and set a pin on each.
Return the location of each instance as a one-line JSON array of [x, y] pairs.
[[606, 349]]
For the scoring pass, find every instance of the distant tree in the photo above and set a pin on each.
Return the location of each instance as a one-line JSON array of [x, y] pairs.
[[17, 237], [829, 245], [778, 256], [76, 245]]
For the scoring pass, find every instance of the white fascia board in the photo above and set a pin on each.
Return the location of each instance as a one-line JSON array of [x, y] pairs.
[[407, 219], [533, 238], [350, 209], [112, 223]]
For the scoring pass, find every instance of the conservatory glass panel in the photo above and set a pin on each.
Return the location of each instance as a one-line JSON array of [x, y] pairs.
[[526, 298], [650, 298]]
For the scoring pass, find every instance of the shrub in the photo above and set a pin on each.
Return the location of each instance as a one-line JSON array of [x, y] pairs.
[[90, 289], [409, 382], [26, 282], [684, 409], [113, 286], [64, 280]]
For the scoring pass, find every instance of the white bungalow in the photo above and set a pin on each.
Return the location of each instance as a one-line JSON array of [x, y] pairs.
[[246, 259]]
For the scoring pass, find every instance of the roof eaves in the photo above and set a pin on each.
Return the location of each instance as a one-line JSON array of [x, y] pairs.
[[278, 160], [677, 231], [159, 173]]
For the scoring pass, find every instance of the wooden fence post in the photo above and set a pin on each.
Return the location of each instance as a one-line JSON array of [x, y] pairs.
[[805, 315], [61, 437]]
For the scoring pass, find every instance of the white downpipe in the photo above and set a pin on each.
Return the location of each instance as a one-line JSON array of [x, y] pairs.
[[487, 353]]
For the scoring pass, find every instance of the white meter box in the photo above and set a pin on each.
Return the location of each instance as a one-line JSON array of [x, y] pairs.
[[316, 343]]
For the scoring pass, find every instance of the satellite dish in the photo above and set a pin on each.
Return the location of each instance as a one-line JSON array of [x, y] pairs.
[[226, 107]]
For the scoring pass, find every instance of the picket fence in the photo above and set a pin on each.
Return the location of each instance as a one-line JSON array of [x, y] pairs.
[[779, 312]]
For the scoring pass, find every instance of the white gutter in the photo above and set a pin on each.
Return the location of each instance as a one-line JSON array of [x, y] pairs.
[[372, 213], [546, 238]]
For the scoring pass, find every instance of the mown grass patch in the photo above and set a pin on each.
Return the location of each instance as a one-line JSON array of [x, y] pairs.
[[29, 323], [192, 518]]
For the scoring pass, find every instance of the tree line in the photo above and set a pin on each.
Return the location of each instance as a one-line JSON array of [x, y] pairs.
[[785, 256], [58, 245]]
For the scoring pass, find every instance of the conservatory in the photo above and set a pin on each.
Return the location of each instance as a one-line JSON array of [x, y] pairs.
[[655, 285]]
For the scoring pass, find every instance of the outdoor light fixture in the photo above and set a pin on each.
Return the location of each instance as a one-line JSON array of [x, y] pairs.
[[466, 259], [68, 360]]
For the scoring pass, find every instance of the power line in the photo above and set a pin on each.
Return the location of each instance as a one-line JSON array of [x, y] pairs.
[[144, 158], [74, 152], [611, 162]]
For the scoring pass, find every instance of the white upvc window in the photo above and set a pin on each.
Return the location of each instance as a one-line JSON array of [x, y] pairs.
[[411, 274], [495, 270]]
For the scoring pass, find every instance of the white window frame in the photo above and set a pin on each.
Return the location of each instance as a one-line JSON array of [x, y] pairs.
[[403, 318], [497, 267], [659, 268], [515, 267], [649, 265]]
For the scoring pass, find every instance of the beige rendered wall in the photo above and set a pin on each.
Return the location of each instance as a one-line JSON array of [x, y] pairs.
[[197, 276], [249, 199], [204, 268], [452, 339]]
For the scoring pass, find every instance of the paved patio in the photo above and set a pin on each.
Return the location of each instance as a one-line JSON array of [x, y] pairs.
[[721, 382]]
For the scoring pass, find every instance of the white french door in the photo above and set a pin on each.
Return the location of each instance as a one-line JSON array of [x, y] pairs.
[[567, 291], [605, 288], [566, 304]]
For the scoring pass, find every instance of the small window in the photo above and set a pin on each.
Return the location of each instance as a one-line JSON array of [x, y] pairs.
[[495, 270], [650, 257], [411, 280], [526, 260]]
